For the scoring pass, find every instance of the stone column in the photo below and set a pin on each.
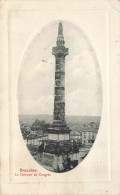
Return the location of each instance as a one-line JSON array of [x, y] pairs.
[[59, 95], [59, 98]]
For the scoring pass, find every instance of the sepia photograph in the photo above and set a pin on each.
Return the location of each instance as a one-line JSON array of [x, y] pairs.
[[59, 96], [59, 84]]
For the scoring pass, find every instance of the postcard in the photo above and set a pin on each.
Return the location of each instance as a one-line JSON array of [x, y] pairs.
[[60, 94]]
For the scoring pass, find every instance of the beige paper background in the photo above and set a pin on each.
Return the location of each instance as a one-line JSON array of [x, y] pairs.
[[99, 173]]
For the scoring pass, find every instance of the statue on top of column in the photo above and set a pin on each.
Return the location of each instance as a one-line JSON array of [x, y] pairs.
[[60, 29]]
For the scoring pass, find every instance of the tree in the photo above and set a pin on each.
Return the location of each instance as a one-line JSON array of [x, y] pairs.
[[40, 125]]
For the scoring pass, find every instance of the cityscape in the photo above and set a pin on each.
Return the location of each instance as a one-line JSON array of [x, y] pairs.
[[33, 128]]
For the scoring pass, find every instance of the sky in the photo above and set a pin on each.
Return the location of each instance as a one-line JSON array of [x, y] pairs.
[[83, 92]]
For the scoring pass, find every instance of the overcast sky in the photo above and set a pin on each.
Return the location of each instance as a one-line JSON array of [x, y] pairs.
[[82, 76]]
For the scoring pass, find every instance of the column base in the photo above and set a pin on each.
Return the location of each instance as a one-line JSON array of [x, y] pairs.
[[62, 163]]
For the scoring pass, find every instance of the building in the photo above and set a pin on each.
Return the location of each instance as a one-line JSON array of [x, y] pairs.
[[35, 140], [89, 136]]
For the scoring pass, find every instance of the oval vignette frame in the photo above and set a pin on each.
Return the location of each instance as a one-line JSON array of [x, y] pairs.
[[83, 98]]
